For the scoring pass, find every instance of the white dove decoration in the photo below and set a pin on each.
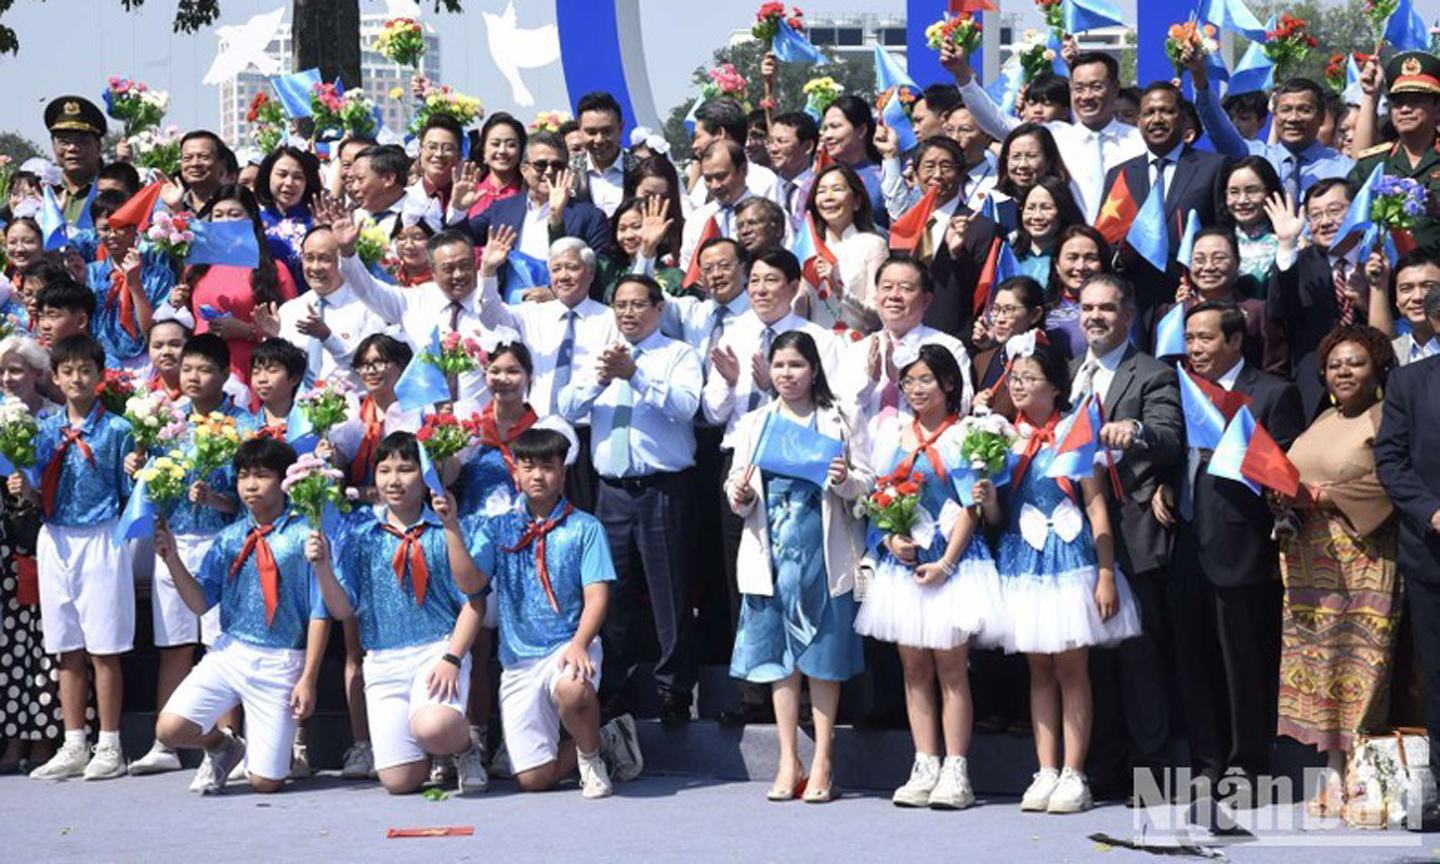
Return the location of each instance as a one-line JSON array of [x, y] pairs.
[[514, 49], [243, 46]]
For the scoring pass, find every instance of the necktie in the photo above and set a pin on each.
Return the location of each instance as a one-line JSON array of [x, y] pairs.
[[1187, 484], [619, 455], [120, 296], [1160, 162], [1087, 379], [455, 309], [1292, 176], [927, 242], [564, 361], [1095, 183], [373, 419], [50, 479], [314, 351], [717, 329], [1343, 301], [265, 563], [535, 533], [454, 380], [410, 550], [756, 394]]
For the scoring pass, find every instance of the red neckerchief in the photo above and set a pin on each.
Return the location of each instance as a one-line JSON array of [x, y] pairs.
[[410, 548], [157, 382], [50, 479], [264, 562], [535, 533], [120, 294], [1040, 437], [927, 446], [374, 422], [490, 433], [405, 280]]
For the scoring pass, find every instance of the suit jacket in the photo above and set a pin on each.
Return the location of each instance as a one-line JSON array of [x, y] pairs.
[[1302, 300], [953, 309], [980, 364], [1232, 524], [1405, 459], [581, 219], [1266, 347], [1146, 390], [1194, 185]]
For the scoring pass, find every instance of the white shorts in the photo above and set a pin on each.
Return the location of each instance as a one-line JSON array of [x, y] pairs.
[[87, 593], [175, 623], [528, 712], [261, 680], [395, 691]]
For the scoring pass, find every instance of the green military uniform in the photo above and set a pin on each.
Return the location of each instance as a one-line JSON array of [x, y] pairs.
[[1410, 72], [74, 114]]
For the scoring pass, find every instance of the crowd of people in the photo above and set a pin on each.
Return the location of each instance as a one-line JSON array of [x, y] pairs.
[[620, 488]]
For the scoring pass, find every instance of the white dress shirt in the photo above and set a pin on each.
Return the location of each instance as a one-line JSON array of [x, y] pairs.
[[535, 230], [866, 396], [759, 180], [940, 223], [695, 226], [697, 321], [666, 392], [1104, 366], [347, 436], [725, 404], [349, 320], [607, 187], [384, 218]]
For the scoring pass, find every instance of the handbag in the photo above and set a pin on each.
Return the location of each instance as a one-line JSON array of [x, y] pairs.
[[1389, 778], [27, 580]]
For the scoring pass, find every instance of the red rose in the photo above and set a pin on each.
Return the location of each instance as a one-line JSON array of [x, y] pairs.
[[882, 500]]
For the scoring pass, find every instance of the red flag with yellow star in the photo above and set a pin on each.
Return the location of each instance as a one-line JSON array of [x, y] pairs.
[[1117, 212]]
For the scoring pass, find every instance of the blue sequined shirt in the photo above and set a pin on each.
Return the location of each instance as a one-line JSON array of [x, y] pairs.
[[242, 605], [88, 494], [156, 278], [188, 518]]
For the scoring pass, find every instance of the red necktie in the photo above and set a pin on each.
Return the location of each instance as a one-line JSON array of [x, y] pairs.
[[927, 446], [50, 480], [120, 293], [1343, 300], [264, 562], [374, 420], [536, 533], [410, 548], [157, 382]]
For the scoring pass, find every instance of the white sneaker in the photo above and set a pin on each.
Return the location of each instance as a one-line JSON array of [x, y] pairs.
[[442, 772], [1071, 794], [594, 779], [107, 763], [470, 773], [620, 748], [953, 792], [1037, 797], [240, 773], [299, 761], [924, 775], [359, 762], [68, 761], [159, 760], [215, 770], [500, 762]]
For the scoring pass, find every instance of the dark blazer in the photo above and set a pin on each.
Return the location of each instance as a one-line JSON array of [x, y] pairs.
[[953, 309], [1146, 390], [1302, 300], [1232, 523], [1194, 185], [582, 219], [1266, 346], [1406, 460], [986, 367]]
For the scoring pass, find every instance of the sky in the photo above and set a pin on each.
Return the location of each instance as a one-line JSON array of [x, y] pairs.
[[73, 46]]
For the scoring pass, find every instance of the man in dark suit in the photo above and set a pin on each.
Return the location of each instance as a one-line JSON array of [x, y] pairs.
[[1223, 593], [1140, 402], [544, 212], [1406, 459], [1190, 180]]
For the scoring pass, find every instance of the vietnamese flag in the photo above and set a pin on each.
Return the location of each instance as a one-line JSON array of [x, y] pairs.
[[1117, 212], [137, 209], [958, 6], [1265, 463], [1228, 401], [986, 284], [907, 231], [809, 248], [692, 273]]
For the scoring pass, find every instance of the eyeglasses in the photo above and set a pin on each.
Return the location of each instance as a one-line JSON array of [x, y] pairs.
[[944, 169], [1334, 211], [1026, 381], [374, 367], [999, 311], [908, 383], [545, 166], [440, 149]]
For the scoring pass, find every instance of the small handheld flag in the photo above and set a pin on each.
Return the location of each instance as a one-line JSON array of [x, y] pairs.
[[1148, 234], [226, 243], [293, 91], [791, 47], [422, 383], [785, 447]]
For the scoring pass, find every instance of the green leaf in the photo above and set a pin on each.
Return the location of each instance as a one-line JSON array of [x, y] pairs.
[[435, 795]]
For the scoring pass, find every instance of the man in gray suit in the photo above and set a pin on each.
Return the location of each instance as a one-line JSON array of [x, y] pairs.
[[1140, 402]]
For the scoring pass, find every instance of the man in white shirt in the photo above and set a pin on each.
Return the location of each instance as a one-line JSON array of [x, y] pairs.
[[1417, 291], [723, 169], [1092, 145], [723, 119], [328, 322], [793, 139], [641, 394], [378, 179], [599, 117]]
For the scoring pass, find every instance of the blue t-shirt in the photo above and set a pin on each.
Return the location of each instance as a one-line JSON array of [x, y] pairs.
[[576, 555], [89, 492], [242, 602], [156, 278]]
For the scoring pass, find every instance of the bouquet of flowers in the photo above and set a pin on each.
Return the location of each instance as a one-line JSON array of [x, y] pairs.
[[136, 105], [164, 479], [18, 430], [894, 506], [906, 96], [457, 354], [820, 92], [171, 234], [401, 41], [325, 405], [1036, 55], [215, 440], [1053, 11], [1288, 43], [314, 484], [154, 417], [1379, 12], [725, 81], [357, 115], [1192, 34], [267, 122], [115, 390], [372, 245], [963, 31], [985, 442], [325, 107], [767, 22], [159, 150], [550, 121], [442, 100], [1398, 206], [1336, 72], [7, 174], [11, 325], [443, 435]]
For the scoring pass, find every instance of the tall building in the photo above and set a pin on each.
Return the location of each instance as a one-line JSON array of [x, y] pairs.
[[378, 77]]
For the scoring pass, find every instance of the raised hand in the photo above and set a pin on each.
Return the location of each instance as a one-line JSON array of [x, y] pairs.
[[1284, 218], [654, 225], [497, 249], [560, 194], [726, 363], [267, 318], [465, 186], [886, 141]]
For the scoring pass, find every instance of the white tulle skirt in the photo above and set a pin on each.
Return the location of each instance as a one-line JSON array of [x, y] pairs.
[[898, 609], [1056, 612]]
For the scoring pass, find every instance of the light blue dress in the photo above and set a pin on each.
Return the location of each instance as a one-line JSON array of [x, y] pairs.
[[800, 626]]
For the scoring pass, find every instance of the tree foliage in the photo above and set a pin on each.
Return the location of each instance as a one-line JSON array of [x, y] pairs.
[[1339, 28], [18, 147]]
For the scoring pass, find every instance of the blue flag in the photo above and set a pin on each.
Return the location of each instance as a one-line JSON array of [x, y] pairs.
[[1170, 333], [523, 272], [690, 117], [893, 116], [1005, 89], [427, 471], [52, 223], [1204, 424], [229, 243], [1357, 218], [802, 244], [787, 448], [1058, 65], [1082, 15], [888, 72], [299, 431], [1149, 235], [1406, 30], [1232, 15], [1230, 452], [1187, 240], [293, 91], [86, 222], [1255, 72], [963, 478], [422, 383], [791, 47], [1353, 94], [138, 519]]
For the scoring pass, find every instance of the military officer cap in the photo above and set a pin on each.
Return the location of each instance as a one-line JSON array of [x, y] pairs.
[[1414, 72], [74, 114]]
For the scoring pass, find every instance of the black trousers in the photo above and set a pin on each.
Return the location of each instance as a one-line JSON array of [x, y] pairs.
[[648, 525], [1227, 656], [580, 479], [1424, 600]]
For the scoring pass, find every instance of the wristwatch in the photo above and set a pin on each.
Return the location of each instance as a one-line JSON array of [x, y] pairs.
[[452, 659]]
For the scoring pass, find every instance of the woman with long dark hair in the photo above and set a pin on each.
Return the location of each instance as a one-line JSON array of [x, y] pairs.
[[1028, 153], [287, 183], [839, 206], [1046, 209], [1080, 253], [1249, 184], [847, 132]]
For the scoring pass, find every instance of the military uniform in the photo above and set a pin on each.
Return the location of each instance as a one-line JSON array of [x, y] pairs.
[[1410, 72], [74, 114]]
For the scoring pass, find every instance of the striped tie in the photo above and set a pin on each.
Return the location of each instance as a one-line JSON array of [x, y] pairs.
[[564, 361], [619, 442]]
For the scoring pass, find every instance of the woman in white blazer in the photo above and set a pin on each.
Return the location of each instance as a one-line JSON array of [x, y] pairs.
[[839, 208], [798, 557]]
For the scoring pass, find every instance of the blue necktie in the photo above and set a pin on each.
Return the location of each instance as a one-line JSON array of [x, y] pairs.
[[756, 395], [619, 442], [564, 360]]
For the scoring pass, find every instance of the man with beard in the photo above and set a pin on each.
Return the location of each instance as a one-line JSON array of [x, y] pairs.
[[1414, 96]]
